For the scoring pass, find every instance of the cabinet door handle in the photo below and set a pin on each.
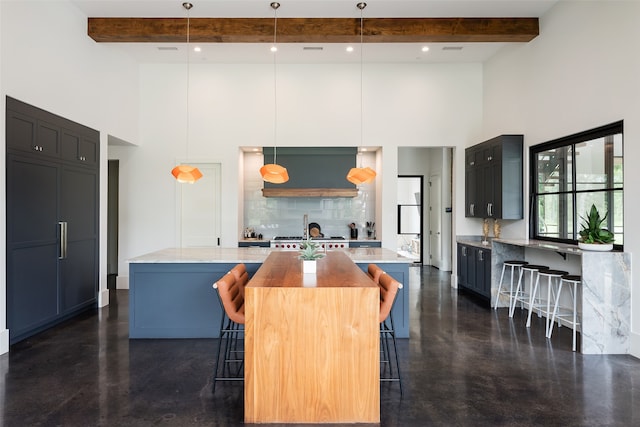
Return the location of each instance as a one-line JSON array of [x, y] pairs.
[[490, 209], [480, 258], [471, 209], [63, 239]]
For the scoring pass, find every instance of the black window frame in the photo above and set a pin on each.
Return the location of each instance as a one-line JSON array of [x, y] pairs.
[[570, 140]]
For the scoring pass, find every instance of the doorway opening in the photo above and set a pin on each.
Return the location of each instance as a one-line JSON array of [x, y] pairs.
[[410, 190], [435, 167], [113, 182]]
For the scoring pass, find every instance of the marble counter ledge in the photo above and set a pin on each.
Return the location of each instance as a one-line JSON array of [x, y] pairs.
[[255, 255], [542, 245], [474, 241]]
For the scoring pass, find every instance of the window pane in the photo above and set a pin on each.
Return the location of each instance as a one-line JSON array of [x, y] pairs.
[[555, 216], [607, 202], [595, 166], [585, 169], [554, 170]]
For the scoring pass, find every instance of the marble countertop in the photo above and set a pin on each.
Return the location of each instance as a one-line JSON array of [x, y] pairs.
[[472, 241], [255, 255], [543, 245], [526, 243]]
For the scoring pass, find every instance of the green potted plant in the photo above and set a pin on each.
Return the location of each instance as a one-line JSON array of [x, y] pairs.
[[592, 236], [309, 254]]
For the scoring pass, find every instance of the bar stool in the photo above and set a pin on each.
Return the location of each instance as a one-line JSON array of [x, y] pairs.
[[544, 307], [231, 300], [375, 272], [388, 291], [242, 277], [513, 265], [572, 281], [521, 295]]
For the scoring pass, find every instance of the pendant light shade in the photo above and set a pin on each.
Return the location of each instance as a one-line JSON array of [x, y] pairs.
[[360, 175], [186, 174], [273, 172]]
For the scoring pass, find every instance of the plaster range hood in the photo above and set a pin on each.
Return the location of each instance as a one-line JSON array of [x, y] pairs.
[[313, 172]]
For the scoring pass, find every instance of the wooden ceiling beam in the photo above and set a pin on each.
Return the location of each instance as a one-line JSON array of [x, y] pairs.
[[313, 30]]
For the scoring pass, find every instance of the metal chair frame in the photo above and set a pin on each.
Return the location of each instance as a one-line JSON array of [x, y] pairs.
[[387, 330], [229, 365]]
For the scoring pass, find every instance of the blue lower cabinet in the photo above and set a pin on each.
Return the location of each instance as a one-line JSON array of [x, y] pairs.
[[177, 300]]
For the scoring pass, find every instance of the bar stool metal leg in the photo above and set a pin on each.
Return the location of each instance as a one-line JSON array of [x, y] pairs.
[[543, 307], [512, 265], [572, 281], [521, 295]]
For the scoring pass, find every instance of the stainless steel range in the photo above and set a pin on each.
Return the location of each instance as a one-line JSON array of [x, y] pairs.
[[293, 242]]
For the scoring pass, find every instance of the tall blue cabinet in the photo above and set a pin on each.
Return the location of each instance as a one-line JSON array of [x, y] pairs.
[[52, 204]]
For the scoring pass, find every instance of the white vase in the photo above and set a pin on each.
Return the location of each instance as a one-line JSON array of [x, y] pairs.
[[598, 247], [309, 266]]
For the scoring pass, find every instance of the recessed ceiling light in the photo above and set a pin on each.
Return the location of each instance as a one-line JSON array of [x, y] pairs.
[[349, 48], [197, 49], [274, 49], [425, 48]]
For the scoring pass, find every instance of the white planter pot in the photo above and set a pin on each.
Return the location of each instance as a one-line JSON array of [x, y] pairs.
[[598, 247], [309, 266]]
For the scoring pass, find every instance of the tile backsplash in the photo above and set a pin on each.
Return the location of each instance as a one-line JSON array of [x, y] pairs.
[[283, 216]]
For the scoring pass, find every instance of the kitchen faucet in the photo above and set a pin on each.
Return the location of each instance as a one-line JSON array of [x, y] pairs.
[[305, 221]]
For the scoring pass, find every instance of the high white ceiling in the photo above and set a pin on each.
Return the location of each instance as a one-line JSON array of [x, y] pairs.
[[330, 52]]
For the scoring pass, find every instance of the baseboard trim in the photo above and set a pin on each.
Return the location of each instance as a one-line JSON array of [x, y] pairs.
[[634, 345], [4, 341], [122, 282], [103, 298]]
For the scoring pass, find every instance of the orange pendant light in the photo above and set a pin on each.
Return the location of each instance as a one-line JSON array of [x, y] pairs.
[[186, 174], [273, 172], [360, 175]]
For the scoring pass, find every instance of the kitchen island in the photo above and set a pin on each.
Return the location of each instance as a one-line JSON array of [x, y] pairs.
[[312, 342], [170, 293]]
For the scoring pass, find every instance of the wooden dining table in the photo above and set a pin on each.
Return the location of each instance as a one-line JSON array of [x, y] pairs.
[[311, 342]]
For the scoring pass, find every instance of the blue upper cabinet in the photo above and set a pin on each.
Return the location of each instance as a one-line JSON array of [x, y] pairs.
[[494, 177], [313, 171]]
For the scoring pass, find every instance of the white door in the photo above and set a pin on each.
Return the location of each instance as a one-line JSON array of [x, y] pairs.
[[199, 208], [435, 221]]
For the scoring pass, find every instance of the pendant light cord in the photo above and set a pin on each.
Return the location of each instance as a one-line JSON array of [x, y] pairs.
[[361, 6], [275, 6], [188, 6]]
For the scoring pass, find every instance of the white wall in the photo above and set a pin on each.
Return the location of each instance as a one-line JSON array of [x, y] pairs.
[[46, 59], [231, 105], [580, 73]]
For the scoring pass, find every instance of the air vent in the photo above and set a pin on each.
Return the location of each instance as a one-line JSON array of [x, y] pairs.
[[312, 48], [452, 48], [167, 48]]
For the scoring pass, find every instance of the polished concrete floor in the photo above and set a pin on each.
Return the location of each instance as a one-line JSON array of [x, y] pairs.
[[465, 365]]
